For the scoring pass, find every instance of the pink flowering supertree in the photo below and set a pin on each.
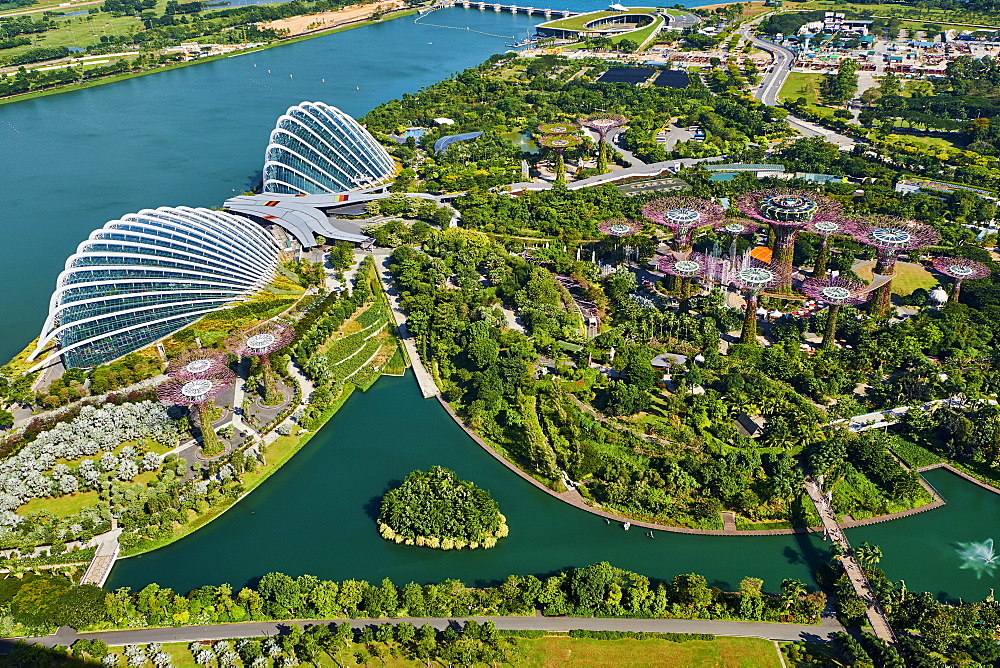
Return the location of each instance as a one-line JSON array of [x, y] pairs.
[[683, 215], [734, 227], [835, 292], [686, 268], [617, 229], [826, 229], [752, 279], [787, 211], [260, 341], [959, 269], [602, 124], [891, 236], [198, 395], [198, 363]]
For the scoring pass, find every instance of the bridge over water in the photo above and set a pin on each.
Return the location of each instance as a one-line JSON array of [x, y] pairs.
[[497, 7]]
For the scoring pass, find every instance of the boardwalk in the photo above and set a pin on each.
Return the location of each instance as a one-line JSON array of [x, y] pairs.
[[877, 618], [961, 474], [424, 379], [104, 558]]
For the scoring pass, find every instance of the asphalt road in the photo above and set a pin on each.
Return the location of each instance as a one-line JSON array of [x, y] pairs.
[[772, 81], [66, 636]]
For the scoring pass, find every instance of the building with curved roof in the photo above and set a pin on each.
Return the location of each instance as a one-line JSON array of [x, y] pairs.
[[316, 149], [149, 274]]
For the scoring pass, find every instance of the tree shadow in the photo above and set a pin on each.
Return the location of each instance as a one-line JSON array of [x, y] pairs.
[[373, 507]]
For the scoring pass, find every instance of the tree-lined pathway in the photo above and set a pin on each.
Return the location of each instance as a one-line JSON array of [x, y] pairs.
[[66, 636]]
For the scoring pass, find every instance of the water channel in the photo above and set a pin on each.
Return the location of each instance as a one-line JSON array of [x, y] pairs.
[[196, 135]]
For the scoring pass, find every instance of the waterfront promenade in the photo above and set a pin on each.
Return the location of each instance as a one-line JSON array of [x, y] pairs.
[[66, 636]]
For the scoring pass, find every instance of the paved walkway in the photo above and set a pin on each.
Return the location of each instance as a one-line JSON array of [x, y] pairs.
[[66, 636], [876, 617], [104, 558], [424, 379]]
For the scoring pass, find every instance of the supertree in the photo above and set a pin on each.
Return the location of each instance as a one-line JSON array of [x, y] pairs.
[[787, 212], [835, 292], [602, 124], [683, 215], [891, 236], [754, 277], [959, 269], [617, 228], [260, 341], [686, 269], [826, 229], [559, 144], [198, 363], [558, 128], [198, 394], [734, 227]]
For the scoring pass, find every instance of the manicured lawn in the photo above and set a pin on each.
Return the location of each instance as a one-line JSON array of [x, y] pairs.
[[932, 143], [62, 506], [908, 278], [801, 84], [578, 22], [562, 651]]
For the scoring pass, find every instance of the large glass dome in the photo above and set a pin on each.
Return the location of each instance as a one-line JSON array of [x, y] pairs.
[[316, 148], [149, 274]]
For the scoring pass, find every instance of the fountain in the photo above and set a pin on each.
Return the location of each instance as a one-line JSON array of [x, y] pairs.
[[978, 557]]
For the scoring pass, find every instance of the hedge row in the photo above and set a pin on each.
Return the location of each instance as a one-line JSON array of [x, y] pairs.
[[639, 635]]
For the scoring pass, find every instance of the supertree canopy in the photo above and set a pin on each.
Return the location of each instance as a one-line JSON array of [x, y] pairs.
[[734, 227], [559, 143], [826, 229], [689, 267], [891, 236], [787, 212], [198, 363], [197, 394], [619, 227], [835, 292], [260, 341], [602, 124], [752, 278], [558, 128], [960, 269], [683, 215]]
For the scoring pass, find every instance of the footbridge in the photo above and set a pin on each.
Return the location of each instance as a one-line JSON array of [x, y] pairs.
[[513, 9]]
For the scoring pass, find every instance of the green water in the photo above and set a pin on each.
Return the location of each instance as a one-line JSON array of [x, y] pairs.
[[316, 515]]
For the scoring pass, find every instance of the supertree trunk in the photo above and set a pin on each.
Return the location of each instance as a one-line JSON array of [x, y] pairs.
[[749, 333], [783, 252], [602, 156], [210, 443], [831, 326], [886, 266], [955, 292], [560, 168], [271, 395], [822, 257]]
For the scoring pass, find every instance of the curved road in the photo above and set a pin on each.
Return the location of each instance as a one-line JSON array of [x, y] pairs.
[[66, 636]]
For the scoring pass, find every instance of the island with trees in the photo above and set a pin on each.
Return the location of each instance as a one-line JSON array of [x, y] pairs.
[[436, 509]]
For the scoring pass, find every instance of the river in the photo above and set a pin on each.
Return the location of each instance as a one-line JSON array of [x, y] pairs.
[[196, 135]]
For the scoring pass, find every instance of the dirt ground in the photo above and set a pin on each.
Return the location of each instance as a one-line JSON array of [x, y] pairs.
[[296, 25]]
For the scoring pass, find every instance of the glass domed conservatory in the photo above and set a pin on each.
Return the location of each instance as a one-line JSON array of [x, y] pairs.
[[316, 149], [141, 278]]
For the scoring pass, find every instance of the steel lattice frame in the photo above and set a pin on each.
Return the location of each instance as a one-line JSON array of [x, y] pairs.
[[602, 124], [754, 277], [558, 128], [260, 341], [691, 266], [197, 394], [619, 227], [890, 236], [198, 363], [683, 215], [960, 269], [826, 229]]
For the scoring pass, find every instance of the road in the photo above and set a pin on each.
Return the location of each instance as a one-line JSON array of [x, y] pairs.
[[785, 632], [781, 65]]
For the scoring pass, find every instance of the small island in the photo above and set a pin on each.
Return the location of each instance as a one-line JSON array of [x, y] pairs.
[[434, 508]]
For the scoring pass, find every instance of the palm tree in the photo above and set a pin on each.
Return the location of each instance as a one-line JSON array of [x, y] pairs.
[[868, 554]]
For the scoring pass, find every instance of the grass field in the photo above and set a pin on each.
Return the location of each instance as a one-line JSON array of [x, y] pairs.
[[800, 84], [928, 143], [61, 506], [564, 651], [578, 22], [908, 278]]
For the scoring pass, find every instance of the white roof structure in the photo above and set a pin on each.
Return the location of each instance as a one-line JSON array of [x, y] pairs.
[[149, 274]]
